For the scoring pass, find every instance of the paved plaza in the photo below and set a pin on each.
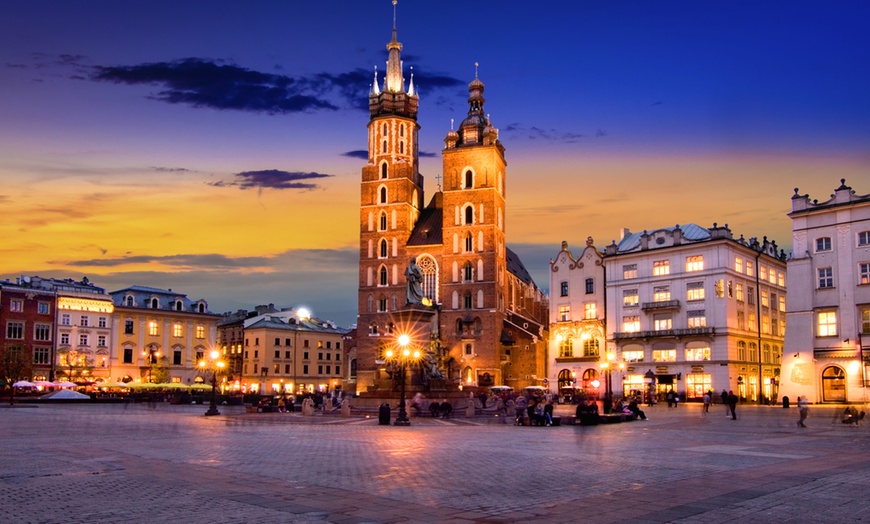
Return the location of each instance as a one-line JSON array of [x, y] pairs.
[[107, 463]]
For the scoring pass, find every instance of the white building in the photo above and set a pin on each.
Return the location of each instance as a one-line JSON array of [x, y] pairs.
[[827, 349], [577, 322], [692, 309]]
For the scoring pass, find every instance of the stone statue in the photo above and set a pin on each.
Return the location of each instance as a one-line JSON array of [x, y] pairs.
[[415, 282]]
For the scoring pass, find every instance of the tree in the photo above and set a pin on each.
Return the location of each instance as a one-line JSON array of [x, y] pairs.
[[15, 365], [75, 364]]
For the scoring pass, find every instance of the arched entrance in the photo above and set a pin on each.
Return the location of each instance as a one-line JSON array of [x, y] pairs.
[[833, 384], [565, 379], [591, 383]]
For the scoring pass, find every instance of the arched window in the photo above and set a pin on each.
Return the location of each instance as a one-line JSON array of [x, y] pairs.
[[353, 368], [154, 303], [468, 272], [469, 179], [385, 129], [469, 215], [178, 305], [566, 347], [590, 347], [467, 301], [202, 308], [382, 303], [384, 170], [383, 248], [129, 301], [459, 325], [430, 277], [382, 276], [401, 148], [382, 222], [469, 243], [384, 147], [383, 195]]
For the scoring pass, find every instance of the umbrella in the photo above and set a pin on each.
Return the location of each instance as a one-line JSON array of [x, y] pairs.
[[23, 384], [200, 386], [44, 384], [111, 385], [142, 385], [172, 385], [64, 394], [66, 384]]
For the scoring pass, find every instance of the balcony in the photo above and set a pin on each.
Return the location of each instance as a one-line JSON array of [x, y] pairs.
[[665, 333], [661, 305]]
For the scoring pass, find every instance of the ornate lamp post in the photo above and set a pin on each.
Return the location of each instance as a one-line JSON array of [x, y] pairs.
[[403, 356], [153, 354], [215, 364]]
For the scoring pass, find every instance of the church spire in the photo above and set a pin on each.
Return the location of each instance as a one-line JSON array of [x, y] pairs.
[[395, 82]]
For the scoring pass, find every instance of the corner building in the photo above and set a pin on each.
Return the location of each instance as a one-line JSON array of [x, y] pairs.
[[827, 346], [485, 319]]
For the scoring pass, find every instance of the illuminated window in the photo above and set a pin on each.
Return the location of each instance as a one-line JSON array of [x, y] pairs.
[[152, 328], [200, 332], [753, 352], [564, 313], [864, 273], [629, 297], [661, 268], [765, 324], [741, 350], [702, 353], [176, 330], [697, 319], [762, 272], [772, 278], [750, 270], [629, 271], [694, 291], [753, 322], [865, 321], [632, 356], [664, 355], [827, 324], [590, 312], [823, 244], [780, 280], [738, 294], [591, 347], [695, 263], [661, 293], [741, 320], [631, 324], [782, 304], [738, 264], [826, 277], [662, 322], [566, 347], [765, 298]]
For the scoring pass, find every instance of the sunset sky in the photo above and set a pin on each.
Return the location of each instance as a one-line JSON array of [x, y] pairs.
[[215, 147]]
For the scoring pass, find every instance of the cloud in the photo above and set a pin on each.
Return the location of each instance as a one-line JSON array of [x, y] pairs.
[[215, 84], [5, 199], [271, 179], [426, 154], [535, 133], [170, 169], [362, 154]]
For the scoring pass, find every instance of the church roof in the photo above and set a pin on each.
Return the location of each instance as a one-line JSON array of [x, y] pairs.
[[427, 230], [515, 266]]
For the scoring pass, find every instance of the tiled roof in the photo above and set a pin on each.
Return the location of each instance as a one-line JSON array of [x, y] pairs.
[[691, 232]]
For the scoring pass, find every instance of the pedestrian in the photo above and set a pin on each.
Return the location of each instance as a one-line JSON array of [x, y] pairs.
[[725, 403], [670, 398], [732, 404], [803, 409], [707, 401]]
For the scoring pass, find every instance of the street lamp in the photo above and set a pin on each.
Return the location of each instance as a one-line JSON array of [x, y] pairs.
[[215, 364], [403, 356], [153, 354], [608, 394]]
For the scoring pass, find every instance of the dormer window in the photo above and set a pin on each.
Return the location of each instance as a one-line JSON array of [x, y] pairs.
[[129, 301], [178, 305], [155, 304]]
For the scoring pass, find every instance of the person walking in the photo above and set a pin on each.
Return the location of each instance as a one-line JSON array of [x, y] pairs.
[[732, 404], [803, 409], [725, 403], [707, 400]]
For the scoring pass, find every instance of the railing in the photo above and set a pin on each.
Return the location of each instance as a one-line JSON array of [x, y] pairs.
[[661, 304], [665, 333]]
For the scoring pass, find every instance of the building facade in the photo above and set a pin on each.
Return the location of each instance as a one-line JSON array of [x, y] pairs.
[[827, 347], [578, 325], [483, 320], [159, 335], [692, 309], [84, 329], [293, 352], [27, 320]]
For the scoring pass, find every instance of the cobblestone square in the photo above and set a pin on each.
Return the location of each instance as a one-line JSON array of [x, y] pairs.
[[110, 463]]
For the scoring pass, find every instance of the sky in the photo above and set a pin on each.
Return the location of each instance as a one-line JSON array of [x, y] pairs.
[[215, 148]]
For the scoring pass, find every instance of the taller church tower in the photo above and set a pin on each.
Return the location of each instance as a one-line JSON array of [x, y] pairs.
[[391, 193]]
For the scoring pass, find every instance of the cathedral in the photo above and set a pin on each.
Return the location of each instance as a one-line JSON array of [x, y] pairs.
[[441, 272]]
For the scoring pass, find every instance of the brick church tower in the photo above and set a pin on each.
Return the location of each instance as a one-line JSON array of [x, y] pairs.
[[483, 319]]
